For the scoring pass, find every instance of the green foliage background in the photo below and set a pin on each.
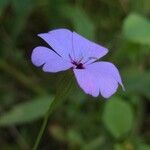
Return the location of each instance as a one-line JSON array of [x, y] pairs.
[[80, 121]]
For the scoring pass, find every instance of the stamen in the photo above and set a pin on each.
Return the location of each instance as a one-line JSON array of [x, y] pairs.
[[90, 58], [80, 60], [70, 57]]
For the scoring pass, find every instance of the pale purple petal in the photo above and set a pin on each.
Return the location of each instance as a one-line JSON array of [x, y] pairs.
[[60, 40], [108, 86], [87, 50], [87, 81], [96, 79], [107, 68], [51, 62]]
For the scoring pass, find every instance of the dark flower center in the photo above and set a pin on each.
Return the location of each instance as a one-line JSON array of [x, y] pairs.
[[78, 65]]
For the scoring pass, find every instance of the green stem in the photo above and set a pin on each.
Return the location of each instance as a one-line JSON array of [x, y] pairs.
[[62, 93], [37, 142]]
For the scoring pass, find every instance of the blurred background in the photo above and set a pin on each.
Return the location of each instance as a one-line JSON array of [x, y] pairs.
[[80, 121]]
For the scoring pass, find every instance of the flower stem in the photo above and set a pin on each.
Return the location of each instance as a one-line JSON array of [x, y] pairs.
[[64, 89], [37, 142]]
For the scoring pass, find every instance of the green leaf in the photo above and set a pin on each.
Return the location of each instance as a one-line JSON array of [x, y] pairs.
[[82, 23], [32, 110], [118, 117], [26, 112], [137, 29]]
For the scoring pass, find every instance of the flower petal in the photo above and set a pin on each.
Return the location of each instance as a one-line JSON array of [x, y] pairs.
[[96, 79], [49, 59], [60, 40], [87, 50], [87, 81], [107, 68]]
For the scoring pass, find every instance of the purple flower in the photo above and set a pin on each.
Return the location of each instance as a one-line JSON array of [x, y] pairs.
[[72, 51]]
